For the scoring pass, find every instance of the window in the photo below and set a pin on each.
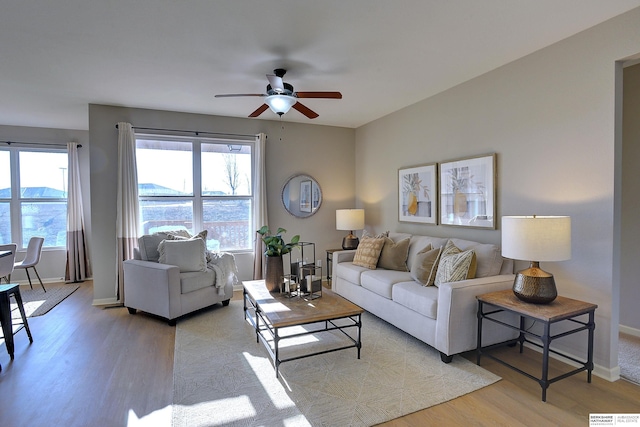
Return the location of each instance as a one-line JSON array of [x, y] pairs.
[[195, 185], [33, 196]]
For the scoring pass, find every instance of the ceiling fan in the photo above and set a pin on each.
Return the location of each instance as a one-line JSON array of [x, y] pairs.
[[280, 97]]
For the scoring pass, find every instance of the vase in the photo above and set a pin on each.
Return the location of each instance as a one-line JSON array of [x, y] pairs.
[[412, 203], [275, 272], [459, 204]]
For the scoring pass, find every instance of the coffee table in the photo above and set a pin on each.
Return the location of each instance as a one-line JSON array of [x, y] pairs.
[[269, 313]]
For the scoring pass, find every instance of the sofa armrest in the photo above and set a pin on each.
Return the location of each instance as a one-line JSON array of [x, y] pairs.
[[152, 287], [457, 324], [343, 256]]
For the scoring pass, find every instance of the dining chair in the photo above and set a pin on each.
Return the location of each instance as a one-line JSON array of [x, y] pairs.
[[7, 261], [34, 250]]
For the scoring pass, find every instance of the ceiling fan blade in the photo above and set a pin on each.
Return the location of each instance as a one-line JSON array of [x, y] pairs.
[[228, 95], [328, 95], [305, 110], [276, 83], [259, 111]]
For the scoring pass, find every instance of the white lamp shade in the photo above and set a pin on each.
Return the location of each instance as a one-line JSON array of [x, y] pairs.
[[350, 219], [536, 238], [280, 104]]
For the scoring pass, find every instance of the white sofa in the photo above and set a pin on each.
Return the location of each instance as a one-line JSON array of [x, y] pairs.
[[168, 290], [445, 317]]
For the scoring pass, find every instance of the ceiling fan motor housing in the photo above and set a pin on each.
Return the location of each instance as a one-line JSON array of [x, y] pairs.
[[288, 90]]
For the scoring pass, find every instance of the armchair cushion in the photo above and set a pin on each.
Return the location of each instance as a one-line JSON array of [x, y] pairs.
[[187, 255]]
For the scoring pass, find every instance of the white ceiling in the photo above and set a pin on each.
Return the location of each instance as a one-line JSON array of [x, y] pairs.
[[56, 57]]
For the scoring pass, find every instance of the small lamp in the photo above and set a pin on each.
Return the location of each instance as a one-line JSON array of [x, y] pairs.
[[535, 239], [280, 104], [350, 219]]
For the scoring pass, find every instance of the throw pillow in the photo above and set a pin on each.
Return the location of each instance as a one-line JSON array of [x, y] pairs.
[[394, 255], [425, 265], [365, 233], [188, 255], [456, 267], [368, 252]]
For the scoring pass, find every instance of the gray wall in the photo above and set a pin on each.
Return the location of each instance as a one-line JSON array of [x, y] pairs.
[[550, 117], [630, 268], [53, 262], [326, 153]]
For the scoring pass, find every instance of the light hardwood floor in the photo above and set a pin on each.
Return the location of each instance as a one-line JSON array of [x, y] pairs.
[[91, 366]]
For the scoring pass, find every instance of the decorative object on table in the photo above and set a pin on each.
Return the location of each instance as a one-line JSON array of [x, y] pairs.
[[467, 192], [302, 260], [350, 219], [275, 247], [310, 286], [301, 196], [417, 194], [536, 238]]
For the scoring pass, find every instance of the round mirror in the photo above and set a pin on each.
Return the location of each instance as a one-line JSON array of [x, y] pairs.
[[301, 196]]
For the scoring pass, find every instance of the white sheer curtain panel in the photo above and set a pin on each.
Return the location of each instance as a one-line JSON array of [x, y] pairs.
[[260, 206], [127, 206], [78, 264]]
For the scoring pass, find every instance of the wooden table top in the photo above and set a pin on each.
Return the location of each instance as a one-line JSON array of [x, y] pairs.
[[559, 309], [282, 311]]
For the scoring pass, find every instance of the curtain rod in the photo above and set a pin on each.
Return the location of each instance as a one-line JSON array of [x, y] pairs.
[[36, 143], [195, 132]]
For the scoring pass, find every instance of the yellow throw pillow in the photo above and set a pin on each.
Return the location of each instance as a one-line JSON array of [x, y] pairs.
[[394, 255], [368, 252]]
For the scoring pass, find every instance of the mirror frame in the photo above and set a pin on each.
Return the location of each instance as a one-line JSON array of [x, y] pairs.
[[301, 212]]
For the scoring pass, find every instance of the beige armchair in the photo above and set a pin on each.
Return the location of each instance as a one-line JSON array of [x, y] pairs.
[[170, 278]]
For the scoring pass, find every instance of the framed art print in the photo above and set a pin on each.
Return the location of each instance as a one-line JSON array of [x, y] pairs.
[[467, 192], [417, 194]]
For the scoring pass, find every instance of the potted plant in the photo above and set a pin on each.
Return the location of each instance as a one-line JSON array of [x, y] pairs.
[[275, 247]]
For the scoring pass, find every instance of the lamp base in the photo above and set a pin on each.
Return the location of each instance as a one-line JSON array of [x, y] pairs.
[[535, 285], [350, 242]]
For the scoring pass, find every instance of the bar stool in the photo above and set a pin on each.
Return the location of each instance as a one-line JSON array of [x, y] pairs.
[[5, 315]]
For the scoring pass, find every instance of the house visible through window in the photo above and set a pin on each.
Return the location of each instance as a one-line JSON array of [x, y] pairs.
[[33, 195], [195, 185]]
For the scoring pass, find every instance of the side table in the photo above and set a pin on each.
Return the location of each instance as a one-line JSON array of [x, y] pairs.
[[330, 262], [560, 309]]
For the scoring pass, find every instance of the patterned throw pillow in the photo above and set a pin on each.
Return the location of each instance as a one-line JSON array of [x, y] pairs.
[[368, 252], [456, 267], [394, 255]]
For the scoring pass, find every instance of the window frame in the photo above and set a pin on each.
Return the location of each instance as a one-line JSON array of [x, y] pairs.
[[197, 198], [16, 200]]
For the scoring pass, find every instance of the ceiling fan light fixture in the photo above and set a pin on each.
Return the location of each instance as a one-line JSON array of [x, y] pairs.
[[280, 104]]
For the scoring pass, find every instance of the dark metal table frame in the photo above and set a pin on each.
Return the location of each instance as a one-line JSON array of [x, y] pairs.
[[262, 325], [546, 338], [5, 315]]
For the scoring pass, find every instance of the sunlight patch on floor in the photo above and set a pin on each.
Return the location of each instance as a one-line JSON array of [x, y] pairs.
[[159, 418]]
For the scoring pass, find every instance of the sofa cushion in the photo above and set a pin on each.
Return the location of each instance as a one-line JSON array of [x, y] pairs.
[[193, 280], [381, 281], [349, 272], [188, 255], [368, 252], [455, 267], [488, 256], [148, 246], [394, 254], [425, 266], [421, 299]]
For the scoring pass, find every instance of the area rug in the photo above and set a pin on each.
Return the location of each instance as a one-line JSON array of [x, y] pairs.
[[222, 376], [629, 357]]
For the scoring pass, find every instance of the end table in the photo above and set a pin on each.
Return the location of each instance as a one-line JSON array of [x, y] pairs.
[[560, 309]]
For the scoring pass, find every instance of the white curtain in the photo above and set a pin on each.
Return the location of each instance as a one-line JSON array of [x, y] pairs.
[[127, 205], [260, 206], [78, 265]]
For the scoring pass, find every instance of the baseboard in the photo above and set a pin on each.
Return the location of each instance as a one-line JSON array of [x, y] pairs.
[[609, 374], [106, 302], [629, 330]]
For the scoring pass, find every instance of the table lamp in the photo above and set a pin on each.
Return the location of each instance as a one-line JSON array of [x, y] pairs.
[[350, 219], [535, 239]]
